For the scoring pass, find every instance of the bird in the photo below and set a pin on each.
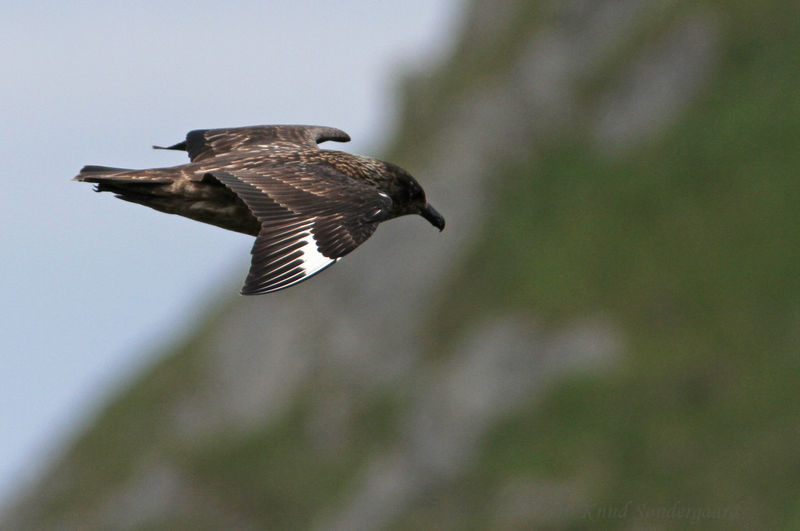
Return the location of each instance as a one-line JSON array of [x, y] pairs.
[[307, 207]]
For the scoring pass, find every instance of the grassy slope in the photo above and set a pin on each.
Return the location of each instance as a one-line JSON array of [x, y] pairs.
[[690, 242]]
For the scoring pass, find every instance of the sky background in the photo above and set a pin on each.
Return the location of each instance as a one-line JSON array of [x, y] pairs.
[[91, 284]]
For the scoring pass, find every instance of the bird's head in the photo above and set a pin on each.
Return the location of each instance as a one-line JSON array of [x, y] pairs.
[[409, 197]]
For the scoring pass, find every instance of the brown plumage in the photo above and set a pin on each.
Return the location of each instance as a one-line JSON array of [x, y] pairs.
[[307, 207]]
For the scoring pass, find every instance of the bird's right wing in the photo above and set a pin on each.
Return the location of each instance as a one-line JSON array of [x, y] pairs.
[[204, 144], [310, 216]]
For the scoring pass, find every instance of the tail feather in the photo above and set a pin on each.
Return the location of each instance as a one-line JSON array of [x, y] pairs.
[[96, 174], [138, 186], [92, 173], [101, 169]]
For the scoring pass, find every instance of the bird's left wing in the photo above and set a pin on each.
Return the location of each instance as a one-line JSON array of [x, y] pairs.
[[203, 144], [310, 216]]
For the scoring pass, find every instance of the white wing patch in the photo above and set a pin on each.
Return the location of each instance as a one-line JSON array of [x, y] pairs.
[[313, 260], [293, 258]]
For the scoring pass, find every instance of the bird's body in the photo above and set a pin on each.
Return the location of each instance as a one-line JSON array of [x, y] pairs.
[[307, 207]]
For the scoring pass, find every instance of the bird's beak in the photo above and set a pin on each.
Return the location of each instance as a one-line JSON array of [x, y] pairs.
[[434, 217]]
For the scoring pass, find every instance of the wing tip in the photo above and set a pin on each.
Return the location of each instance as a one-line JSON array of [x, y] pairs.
[[324, 133], [266, 286], [180, 146]]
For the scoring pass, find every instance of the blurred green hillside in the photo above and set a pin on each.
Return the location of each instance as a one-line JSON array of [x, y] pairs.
[[690, 241], [682, 236]]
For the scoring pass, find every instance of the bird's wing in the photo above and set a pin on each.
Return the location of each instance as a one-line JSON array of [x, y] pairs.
[[311, 216], [204, 144]]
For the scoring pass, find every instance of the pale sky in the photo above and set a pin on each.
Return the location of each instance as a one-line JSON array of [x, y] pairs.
[[92, 284]]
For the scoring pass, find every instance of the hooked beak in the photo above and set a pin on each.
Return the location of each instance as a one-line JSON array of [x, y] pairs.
[[432, 216]]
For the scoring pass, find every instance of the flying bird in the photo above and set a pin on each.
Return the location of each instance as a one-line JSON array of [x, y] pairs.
[[307, 207]]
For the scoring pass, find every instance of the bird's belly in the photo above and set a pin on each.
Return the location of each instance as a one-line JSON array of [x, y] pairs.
[[208, 202], [233, 216]]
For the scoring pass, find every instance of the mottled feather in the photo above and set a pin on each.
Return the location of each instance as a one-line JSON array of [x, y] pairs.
[[307, 207], [204, 144]]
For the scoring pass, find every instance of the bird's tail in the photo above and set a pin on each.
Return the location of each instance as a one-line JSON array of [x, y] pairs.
[[138, 186], [96, 174]]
